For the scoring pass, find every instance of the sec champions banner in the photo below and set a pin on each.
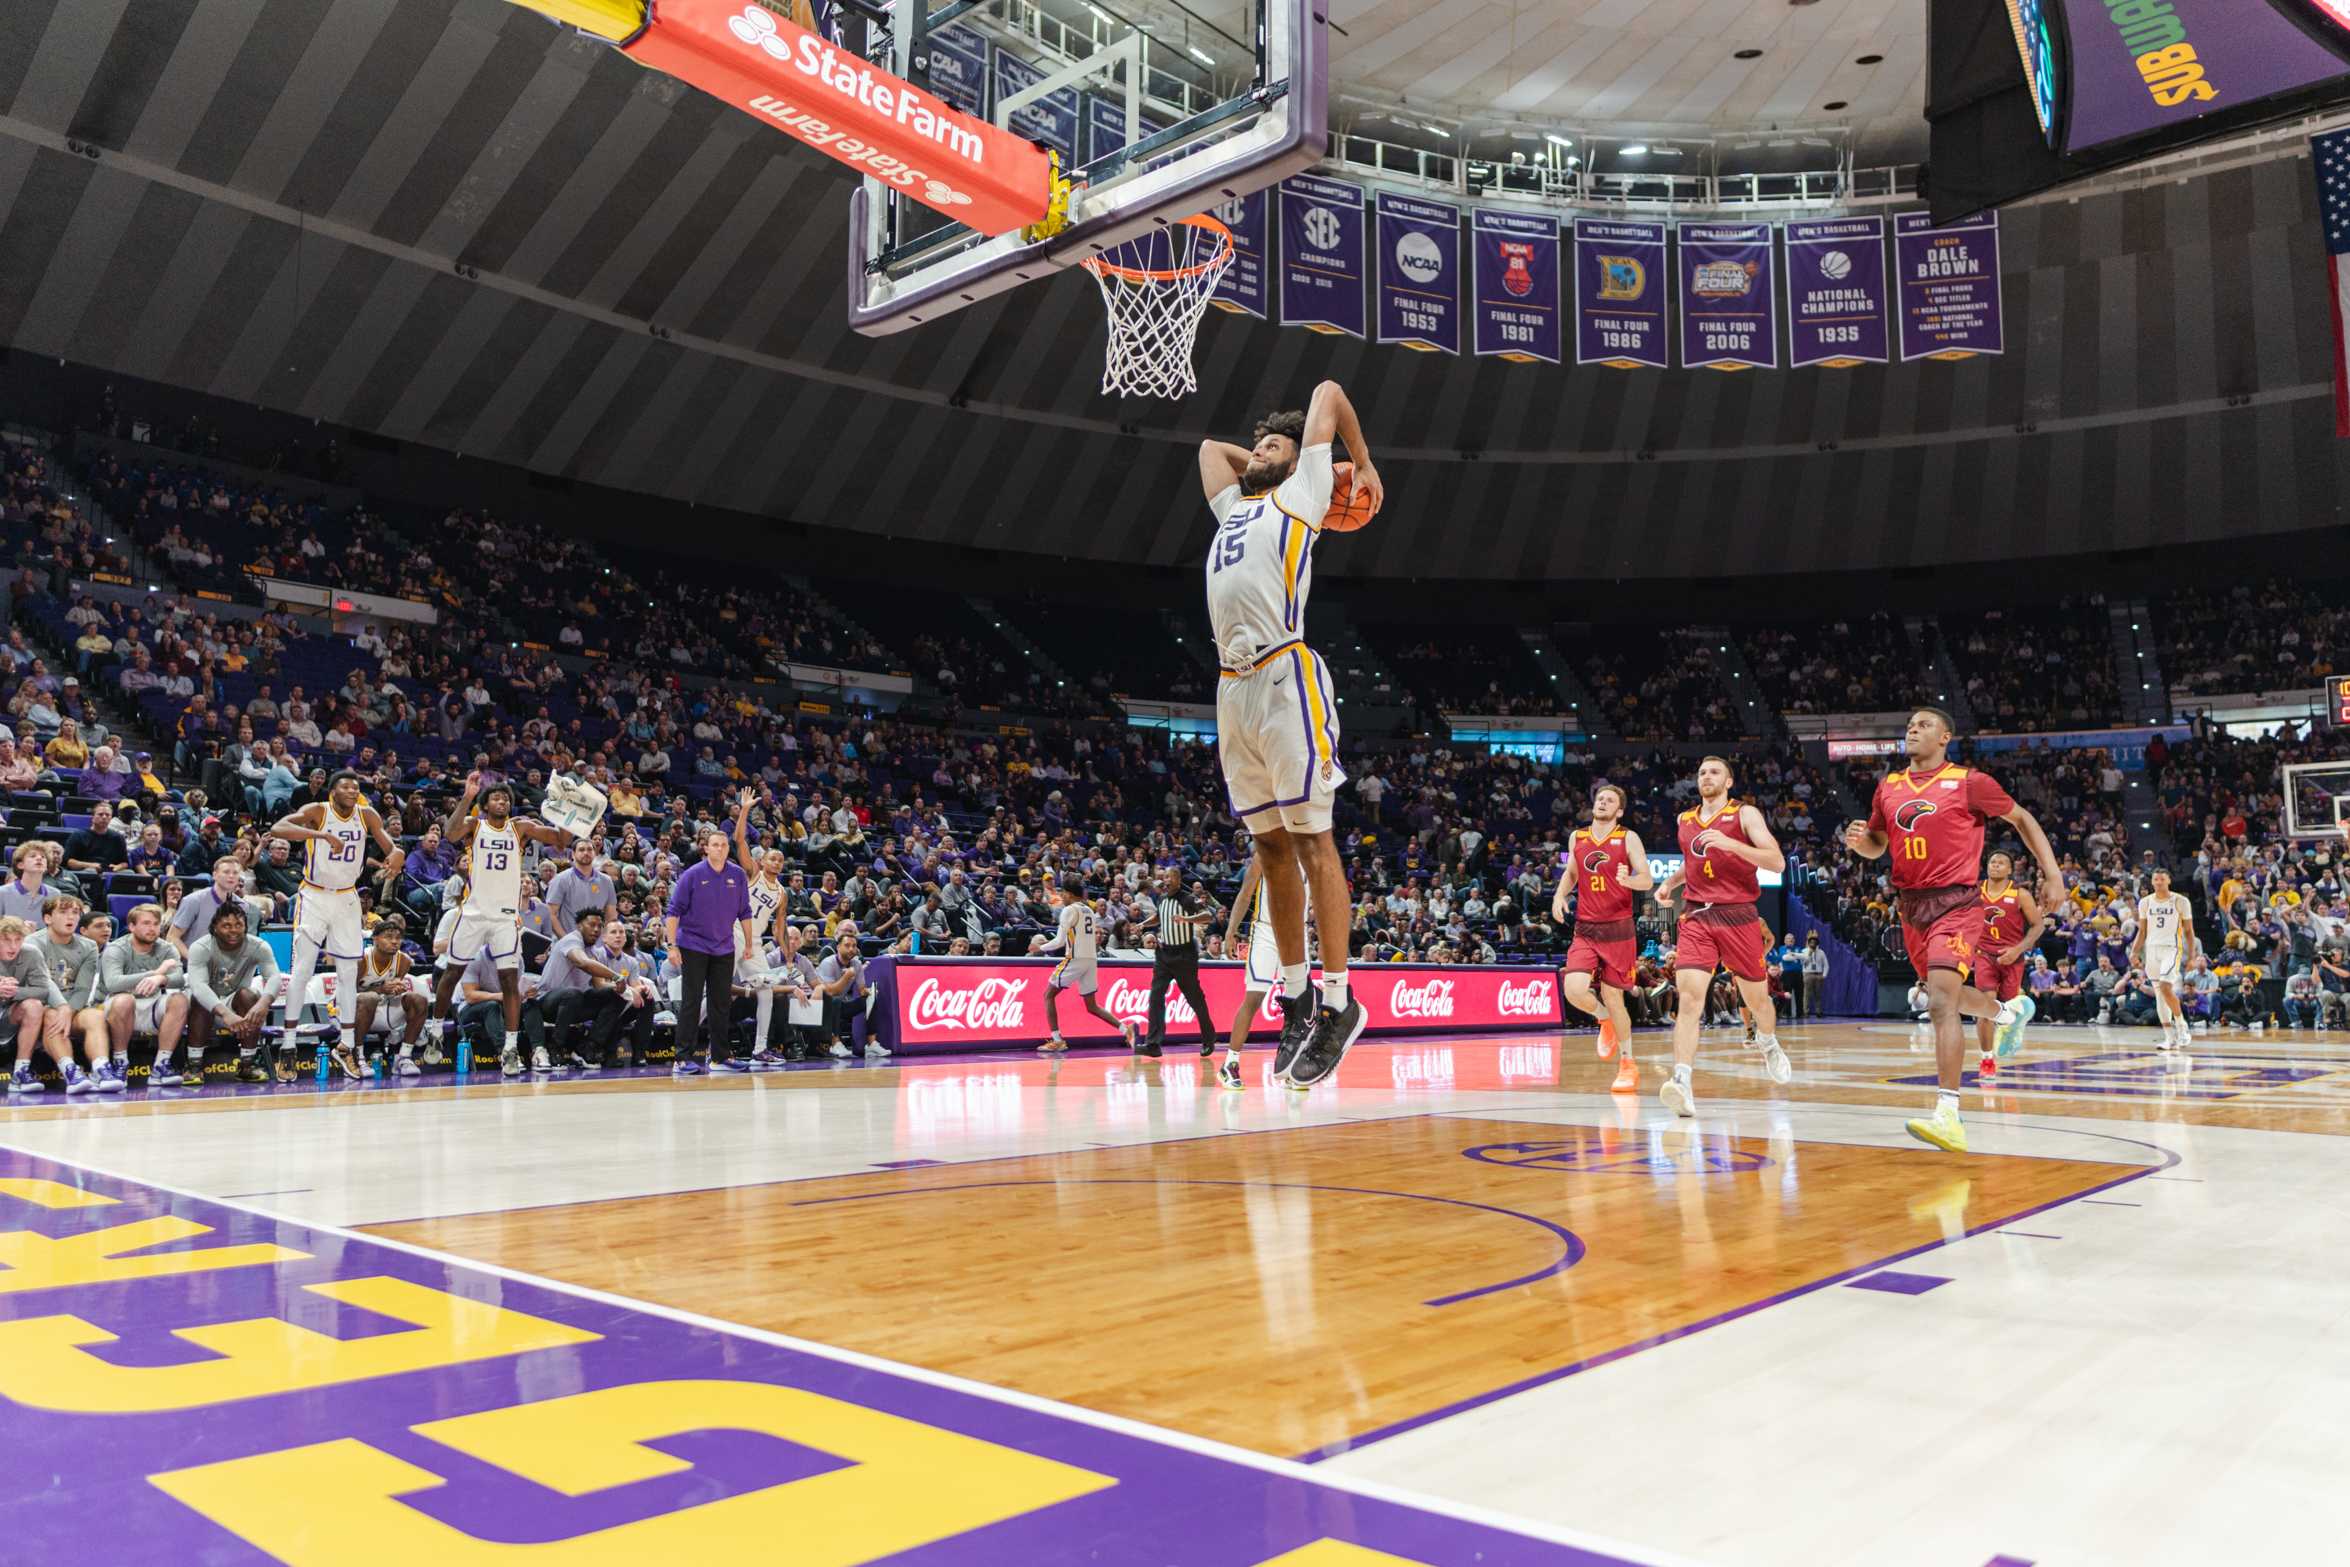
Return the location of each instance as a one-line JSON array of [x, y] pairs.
[[1620, 294], [1241, 290], [1515, 278], [1836, 293], [1729, 314], [1419, 273], [1322, 255], [1947, 281]]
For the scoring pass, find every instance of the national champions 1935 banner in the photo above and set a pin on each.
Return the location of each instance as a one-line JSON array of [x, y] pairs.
[[1836, 293]]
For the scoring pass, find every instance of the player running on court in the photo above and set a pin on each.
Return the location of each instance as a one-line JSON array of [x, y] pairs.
[[489, 921], [1606, 868], [334, 833], [1263, 976], [1075, 936], [2012, 923], [1276, 715], [1723, 845], [1931, 816], [2166, 939]]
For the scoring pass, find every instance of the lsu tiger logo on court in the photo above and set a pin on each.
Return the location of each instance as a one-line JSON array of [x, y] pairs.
[[1622, 277], [1909, 813]]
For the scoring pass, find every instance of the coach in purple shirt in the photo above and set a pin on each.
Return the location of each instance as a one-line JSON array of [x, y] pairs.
[[709, 922]]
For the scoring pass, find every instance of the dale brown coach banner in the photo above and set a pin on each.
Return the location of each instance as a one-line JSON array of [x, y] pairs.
[[932, 1004], [1946, 286], [910, 140]]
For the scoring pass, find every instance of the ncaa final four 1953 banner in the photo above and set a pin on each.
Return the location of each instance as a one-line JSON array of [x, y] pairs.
[[1946, 278], [1241, 290], [1620, 294], [1836, 293], [1322, 255], [1729, 301], [1516, 281], [1419, 273]]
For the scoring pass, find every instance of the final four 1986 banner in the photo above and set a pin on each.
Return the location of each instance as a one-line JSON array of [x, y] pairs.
[[1516, 278], [1729, 314], [1946, 280], [1322, 255], [1620, 294]]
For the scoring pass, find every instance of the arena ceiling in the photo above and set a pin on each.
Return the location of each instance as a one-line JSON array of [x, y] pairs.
[[447, 222]]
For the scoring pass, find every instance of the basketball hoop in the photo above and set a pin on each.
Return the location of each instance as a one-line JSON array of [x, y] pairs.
[[1156, 291]]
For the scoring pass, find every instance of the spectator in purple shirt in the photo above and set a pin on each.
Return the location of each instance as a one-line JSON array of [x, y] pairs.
[[709, 924], [99, 780]]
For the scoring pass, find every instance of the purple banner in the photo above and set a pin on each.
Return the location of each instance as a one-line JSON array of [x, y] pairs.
[[1729, 304], [236, 1389], [1322, 255], [2145, 65], [1105, 126], [1241, 290], [1419, 273], [1516, 278], [1051, 121], [1620, 294], [958, 69], [1947, 286], [1836, 293]]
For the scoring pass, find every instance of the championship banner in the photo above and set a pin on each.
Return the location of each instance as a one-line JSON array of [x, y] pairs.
[[931, 1004], [1515, 273], [1620, 294], [1322, 255], [1051, 121], [1419, 273], [1241, 290], [1836, 293], [1105, 126], [1948, 281], [958, 69], [1729, 305], [913, 141]]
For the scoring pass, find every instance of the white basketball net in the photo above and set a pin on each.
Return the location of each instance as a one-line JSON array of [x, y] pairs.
[[1156, 288]]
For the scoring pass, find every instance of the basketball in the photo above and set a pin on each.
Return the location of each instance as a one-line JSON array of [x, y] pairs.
[[1346, 513]]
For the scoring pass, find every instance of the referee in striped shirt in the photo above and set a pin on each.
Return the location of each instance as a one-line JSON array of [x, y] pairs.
[[1181, 913]]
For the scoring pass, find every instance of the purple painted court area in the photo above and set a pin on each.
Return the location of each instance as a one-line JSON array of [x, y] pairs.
[[674, 1440], [2141, 1075], [1900, 1283]]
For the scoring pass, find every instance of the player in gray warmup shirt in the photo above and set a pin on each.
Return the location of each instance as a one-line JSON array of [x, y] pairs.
[[26, 994], [139, 975], [232, 979], [73, 963]]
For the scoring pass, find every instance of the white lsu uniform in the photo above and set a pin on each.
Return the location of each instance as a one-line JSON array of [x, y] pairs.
[[2165, 922], [389, 1017], [1276, 714], [487, 920], [326, 910], [756, 972], [1075, 940]]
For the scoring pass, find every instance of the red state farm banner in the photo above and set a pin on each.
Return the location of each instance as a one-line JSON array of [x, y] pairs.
[[847, 108], [966, 1003]]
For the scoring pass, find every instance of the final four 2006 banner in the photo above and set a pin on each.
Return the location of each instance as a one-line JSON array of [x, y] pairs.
[[1727, 283]]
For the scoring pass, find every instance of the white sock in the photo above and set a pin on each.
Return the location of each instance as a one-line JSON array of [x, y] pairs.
[[1334, 990], [1946, 1102], [407, 1051], [1293, 978], [1681, 1073], [765, 1014], [513, 1040]]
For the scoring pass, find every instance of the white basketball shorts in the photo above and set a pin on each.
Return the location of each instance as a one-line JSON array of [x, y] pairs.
[[2163, 967], [498, 935], [1264, 960], [330, 920], [1277, 736]]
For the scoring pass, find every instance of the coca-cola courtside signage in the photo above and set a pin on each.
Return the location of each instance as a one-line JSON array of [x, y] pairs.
[[950, 1004]]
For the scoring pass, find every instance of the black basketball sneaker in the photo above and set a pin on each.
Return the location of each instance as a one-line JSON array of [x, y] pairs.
[[1297, 1026]]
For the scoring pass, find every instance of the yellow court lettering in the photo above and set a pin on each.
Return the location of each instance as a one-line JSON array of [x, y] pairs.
[[52, 1194], [336, 1504], [40, 1262], [41, 1366]]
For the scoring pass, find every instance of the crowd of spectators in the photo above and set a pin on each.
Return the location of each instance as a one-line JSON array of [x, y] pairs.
[[1661, 687], [1470, 669], [2268, 636], [1836, 666], [2029, 670]]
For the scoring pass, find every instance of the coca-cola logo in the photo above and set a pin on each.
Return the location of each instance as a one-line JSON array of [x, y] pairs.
[[1131, 1003], [977, 1005], [1430, 999], [1532, 999]]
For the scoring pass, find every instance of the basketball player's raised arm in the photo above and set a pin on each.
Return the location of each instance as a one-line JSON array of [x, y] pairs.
[[742, 832], [532, 830], [1332, 413], [298, 826], [1220, 465], [1638, 876], [2043, 853], [459, 826]]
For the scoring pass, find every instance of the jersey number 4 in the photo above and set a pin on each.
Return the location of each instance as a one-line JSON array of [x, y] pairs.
[[1231, 544]]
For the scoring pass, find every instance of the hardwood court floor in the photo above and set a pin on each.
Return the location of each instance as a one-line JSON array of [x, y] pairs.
[[1292, 1292]]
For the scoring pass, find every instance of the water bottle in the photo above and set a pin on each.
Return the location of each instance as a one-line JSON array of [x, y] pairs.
[[376, 1071], [464, 1055], [322, 1061]]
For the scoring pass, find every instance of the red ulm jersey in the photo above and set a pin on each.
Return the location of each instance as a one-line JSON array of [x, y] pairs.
[[1596, 862], [2003, 920], [1713, 877], [1933, 826]]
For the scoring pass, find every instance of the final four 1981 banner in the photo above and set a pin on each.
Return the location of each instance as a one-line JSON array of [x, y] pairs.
[[1516, 278]]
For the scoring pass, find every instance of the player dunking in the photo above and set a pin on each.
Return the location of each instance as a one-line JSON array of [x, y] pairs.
[[1723, 845], [1606, 867], [488, 920], [2166, 930], [2012, 923], [1276, 715], [335, 832], [1931, 816], [1264, 967]]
